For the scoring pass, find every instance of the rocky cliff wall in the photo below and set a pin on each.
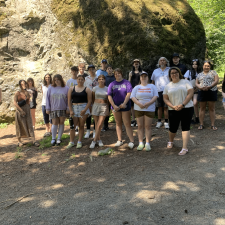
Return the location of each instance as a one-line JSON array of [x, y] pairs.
[[40, 36]]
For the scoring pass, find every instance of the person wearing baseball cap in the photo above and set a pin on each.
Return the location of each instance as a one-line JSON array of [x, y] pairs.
[[102, 71], [134, 78], [144, 97], [175, 62]]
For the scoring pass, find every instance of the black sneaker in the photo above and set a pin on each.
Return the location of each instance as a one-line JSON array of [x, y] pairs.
[[53, 143], [133, 123]]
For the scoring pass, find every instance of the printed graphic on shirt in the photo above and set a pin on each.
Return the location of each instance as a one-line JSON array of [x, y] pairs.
[[119, 87], [146, 90], [58, 95]]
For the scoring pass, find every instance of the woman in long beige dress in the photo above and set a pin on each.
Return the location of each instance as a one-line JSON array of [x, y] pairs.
[[23, 120]]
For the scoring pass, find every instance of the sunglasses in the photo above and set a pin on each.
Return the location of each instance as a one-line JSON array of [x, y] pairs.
[[195, 60]]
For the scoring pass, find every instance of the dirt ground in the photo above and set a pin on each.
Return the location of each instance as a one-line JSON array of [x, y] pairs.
[[79, 187]]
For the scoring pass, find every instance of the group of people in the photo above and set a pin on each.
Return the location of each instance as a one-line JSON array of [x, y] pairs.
[[173, 89]]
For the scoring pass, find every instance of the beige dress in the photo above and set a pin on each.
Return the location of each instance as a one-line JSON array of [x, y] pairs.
[[24, 125]]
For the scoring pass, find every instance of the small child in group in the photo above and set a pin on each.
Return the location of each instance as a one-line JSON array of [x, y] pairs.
[[223, 91]]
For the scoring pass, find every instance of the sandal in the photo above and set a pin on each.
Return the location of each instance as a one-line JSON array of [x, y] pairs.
[[183, 151], [20, 144], [214, 128], [201, 127], [36, 144], [170, 145]]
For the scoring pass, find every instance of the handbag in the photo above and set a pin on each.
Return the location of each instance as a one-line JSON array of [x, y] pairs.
[[22, 103]]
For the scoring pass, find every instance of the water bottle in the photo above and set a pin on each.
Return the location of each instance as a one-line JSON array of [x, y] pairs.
[[71, 123]]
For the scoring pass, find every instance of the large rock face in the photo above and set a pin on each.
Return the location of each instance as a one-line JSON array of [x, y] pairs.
[[40, 36]]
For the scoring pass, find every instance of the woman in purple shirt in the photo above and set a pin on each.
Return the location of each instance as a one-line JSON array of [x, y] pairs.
[[57, 106], [119, 92]]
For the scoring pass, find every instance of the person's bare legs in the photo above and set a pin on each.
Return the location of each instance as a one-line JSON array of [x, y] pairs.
[[165, 113], [171, 136], [47, 127], [140, 122], [212, 113], [195, 102], [32, 111], [126, 122], [132, 113], [148, 128], [202, 112], [186, 138], [98, 126], [72, 132], [81, 126], [118, 119]]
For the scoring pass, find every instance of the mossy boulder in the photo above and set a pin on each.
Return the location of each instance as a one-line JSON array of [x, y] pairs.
[[121, 30]]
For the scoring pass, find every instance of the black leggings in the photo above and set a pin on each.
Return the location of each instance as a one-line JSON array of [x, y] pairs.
[[88, 123], [184, 116], [106, 121]]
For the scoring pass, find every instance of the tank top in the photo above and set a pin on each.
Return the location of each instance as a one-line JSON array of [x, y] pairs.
[[79, 97], [135, 79], [101, 93]]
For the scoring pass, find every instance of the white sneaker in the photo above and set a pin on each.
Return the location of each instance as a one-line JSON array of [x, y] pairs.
[[93, 133], [100, 144], [166, 125], [92, 144], [159, 124], [118, 143], [87, 134], [131, 145], [147, 147]]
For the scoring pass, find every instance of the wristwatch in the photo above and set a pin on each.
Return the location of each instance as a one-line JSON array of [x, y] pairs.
[[183, 105]]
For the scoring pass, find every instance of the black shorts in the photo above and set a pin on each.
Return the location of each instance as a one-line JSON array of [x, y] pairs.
[[207, 96], [132, 103], [183, 116], [160, 102]]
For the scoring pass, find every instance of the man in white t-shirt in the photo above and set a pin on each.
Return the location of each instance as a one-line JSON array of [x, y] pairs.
[[160, 77], [73, 81]]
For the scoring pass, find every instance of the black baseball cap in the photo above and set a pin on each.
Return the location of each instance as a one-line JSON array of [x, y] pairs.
[[91, 66], [104, 61], [175, 55], [143, 72]]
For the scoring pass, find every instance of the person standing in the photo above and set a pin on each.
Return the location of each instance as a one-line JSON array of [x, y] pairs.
[[108, 80], [175, 62], [178, 96], [81, 68], [134, 79], [102, 71], [44, 88], [144, 97], [100, 108], [90, 82], [79, 101], [57, 106], [160, 78], [119, 92], [191, 75], [23, 120], [207, 82], [32, 90]]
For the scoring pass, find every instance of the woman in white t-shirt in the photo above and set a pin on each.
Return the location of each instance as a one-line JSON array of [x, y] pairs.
[[178, 96], [44, 88], [144, 97]]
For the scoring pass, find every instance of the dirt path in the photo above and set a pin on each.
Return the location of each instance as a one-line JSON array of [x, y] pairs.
[[129, 187]]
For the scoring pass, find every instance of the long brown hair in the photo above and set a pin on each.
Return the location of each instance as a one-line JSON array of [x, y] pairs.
[[45, 82], [58, 76], [24, 90], [32, 80]]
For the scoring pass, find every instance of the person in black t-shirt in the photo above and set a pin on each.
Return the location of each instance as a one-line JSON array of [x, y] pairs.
[[175, 62], [134, 78]]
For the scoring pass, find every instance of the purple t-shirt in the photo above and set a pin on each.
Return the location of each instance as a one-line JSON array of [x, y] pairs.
[[118, 91], [57, 98]]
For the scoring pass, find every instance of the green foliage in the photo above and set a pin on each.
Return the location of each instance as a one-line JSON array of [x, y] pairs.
[[3, 125], [46, 142], [111, 118], [67, 123], [212, 14]]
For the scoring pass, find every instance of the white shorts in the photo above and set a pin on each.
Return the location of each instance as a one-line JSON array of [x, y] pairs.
[[78, 108]]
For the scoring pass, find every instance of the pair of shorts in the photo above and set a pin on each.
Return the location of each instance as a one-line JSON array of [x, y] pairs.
[[99, 109], [207, 96], [160, 102], [144, 113], [45, 115], [78, 108], [57, 114]]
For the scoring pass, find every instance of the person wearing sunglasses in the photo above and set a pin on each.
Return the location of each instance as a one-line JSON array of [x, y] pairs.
[[191, 75], [178, 96], [207, 82]]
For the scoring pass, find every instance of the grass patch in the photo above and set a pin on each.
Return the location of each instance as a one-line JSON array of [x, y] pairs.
[[67, 123], [46, 142], [73, 156], [41, 123], [3, 125], [18, 155], [30, 144]]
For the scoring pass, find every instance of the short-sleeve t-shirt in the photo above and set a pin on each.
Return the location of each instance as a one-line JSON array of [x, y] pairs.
[[101, 93], [206, 80], [71, 82], [177, 92], [118, 91], [144, 94], [161, 78], [101, 72], [188, 75]]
